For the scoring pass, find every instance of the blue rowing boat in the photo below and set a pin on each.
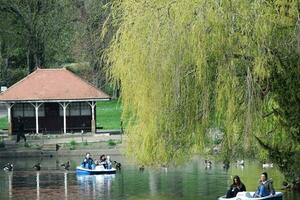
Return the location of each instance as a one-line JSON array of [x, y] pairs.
[[98, 170]]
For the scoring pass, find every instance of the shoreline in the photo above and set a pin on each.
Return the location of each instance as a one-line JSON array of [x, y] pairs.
[[41, 153], [69, 145]]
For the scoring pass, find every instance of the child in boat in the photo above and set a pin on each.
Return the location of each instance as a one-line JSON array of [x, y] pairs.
[[265, 187], [236, 186], [88, 162], [108, 162]]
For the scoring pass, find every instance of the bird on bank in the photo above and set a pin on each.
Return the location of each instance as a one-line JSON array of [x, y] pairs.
[[8, 167], [66, 165], [37, 166], [57, 146]]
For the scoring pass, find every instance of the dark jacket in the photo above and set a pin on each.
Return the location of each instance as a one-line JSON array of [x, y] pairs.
[[88, 163], [234, 189]]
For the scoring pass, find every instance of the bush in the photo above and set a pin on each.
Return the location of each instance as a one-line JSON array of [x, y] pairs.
[[27, 145], [73, 143], [111, 143]]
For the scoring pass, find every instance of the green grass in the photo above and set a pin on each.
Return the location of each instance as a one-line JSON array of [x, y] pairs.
[[3, 123], [108, 114]]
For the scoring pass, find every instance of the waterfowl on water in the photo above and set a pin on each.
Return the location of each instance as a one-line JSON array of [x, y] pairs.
[[8, 167], [66, 165], [37, 166], [141, 167], [117, 165]]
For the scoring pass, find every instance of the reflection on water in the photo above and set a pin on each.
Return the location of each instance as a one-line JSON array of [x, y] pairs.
[[192, 181], [96, 185]]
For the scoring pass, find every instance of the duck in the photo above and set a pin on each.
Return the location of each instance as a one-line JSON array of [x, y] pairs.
[[37, 166], [240, 162], [117, 165], [141, 168], [267, 165], [226, 164], [66, 165], [8, 167], [208, 163]]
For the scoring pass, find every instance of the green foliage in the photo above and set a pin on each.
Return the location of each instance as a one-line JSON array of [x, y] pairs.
[[27, 145], [187, 66], [73, 143], [111, 142], [40, 32]]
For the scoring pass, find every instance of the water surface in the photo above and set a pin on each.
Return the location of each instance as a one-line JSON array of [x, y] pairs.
[[189, 181]]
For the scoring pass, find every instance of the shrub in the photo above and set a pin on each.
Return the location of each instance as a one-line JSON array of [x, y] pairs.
[[27, 145], [73, 143], [111, 142]]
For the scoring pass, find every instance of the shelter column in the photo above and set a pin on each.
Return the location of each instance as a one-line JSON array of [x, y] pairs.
[[9, 106], [93, 124], [64, 105], [36, 107]]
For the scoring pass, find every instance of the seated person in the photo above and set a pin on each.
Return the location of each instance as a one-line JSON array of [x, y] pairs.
[[236, 186], [88, 162], [102, 161], [108, 163], [265, 187]]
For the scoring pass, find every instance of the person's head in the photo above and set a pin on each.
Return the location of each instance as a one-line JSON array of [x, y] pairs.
[[264, 176], [236, 180], [102, 157], [107, 157], [87, 155]]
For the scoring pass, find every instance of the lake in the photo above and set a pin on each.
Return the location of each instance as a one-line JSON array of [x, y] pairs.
[[189, 181]]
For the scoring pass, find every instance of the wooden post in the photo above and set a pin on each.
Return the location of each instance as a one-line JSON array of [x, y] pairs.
[[64, 105], [36, 118], [93, 123], [36, 107], [9, 106]]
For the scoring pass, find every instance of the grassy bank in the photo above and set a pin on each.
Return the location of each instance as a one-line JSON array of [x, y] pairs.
[[3, 122], [108, 115]]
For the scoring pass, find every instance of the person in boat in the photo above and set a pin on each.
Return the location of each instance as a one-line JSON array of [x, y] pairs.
[[265, 187], [88, 162], [108, 162], [236, 186], [102, 161]]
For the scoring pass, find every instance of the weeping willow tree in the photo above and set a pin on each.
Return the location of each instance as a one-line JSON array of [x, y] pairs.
[[186, 66]]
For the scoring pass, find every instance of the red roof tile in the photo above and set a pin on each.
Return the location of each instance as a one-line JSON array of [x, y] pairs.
[[52, 84]]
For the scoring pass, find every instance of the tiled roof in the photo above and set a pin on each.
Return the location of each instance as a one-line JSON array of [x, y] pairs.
[[52, 84]]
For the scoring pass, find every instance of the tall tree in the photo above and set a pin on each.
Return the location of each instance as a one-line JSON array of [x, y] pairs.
[[38, 26], [187, 66], [94, 36]]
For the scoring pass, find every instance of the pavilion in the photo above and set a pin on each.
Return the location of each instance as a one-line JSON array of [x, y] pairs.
[[52, 101]]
